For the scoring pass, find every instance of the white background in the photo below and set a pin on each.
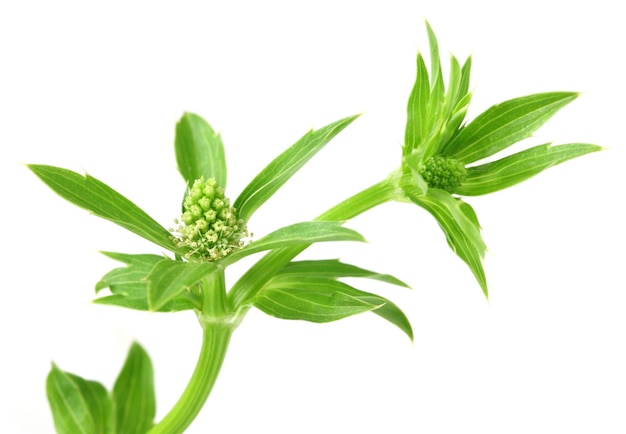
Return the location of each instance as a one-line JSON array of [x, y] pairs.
[[99, 88]]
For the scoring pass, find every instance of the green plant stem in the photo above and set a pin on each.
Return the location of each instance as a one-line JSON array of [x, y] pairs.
[[216, 337], [218, 325], [253, 280]]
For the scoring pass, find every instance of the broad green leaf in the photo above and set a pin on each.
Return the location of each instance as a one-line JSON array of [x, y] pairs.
[[459, 223], [199, 150], [283, 167], [133, 393], [304, 233], [176, 304], [311, 301], [516, 168], [100, 199], [504, 124], [417, 120], [168, 279], [334, 269], [322, 299], [79, 406]]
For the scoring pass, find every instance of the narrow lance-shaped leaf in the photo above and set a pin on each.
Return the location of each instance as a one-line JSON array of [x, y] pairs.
[[133, 393], [504, 124], [100, 199], [320, 299], [334, 269], [458, 221], [199, 150], [516, 168], [129, 285], [303, 233], [79, 406], [418, 118], [168, 279], [314, 301], [283, 167]]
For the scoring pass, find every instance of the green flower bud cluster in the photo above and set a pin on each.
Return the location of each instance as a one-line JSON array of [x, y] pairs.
[[210, 227], [443, 172]]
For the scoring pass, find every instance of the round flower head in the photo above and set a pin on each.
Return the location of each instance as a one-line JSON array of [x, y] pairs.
[[209, 226], [443, 172]]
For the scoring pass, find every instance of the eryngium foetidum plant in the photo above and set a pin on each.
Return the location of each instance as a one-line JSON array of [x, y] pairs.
[[440, 162]]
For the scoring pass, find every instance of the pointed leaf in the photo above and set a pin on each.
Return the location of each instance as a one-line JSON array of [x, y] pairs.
[[334, 269], [317, 302], [79, 406], [129, 285], [199, 150], [418, 117], [504, 124], [133, 393], [458, 221], [100, 199], [283, 167], [516, 168], [168, 279], [321, 299], [303, 233]]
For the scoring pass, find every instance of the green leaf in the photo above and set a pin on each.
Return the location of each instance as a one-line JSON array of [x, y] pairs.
[[297, 234], [458, 221], [79, 406], [199, 150], [417, 127], [283, 167], [504, 124], [319, 299], [100, 199], [129, 280], [168, 279], [133, 393], [334, 269], [516, 168], [310, 300], [129, 285]]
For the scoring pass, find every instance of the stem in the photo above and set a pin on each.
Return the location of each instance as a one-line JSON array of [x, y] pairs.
[[216, 336], [265, 268], [218, 324]]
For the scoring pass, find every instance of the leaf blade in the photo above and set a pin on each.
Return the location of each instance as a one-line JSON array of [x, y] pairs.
[[504, 124], [79, 406], [458, 221], [511, 170], [335, 269], [303, 233], [199, 150], [93, 195], [133, 393], [283, 167], [167, 279]]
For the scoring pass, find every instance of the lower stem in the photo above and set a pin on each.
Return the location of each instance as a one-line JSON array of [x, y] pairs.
[[215, 340]]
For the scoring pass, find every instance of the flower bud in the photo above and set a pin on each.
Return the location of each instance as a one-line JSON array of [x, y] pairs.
[[443, 172], [209, 225]]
